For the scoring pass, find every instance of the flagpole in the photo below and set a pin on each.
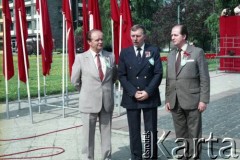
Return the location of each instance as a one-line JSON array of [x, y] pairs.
[[5, 64], [120, 35], [38, 68], [66, 68], [25, 66], [63, 65], [120, 42], [19, 103], [112, 35], [44, 76], [44, 89], [91, 22]]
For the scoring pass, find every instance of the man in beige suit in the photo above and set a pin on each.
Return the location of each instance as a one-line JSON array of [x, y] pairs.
[[93, 74], [187, 89]]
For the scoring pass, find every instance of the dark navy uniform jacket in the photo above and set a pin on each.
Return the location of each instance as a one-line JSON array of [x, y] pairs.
[[144, 76]]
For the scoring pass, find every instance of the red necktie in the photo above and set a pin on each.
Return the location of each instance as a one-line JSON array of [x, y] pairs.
[[99, 66], [178, 61]]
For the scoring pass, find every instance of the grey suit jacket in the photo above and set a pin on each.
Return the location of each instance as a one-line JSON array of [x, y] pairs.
[[94, 93], [191, 84]]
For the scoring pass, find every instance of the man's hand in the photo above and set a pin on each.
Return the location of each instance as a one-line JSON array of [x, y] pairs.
[[141, 95], [167, 107], [202, 106]]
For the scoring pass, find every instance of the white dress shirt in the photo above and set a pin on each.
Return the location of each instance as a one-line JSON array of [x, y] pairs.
[[102, 60]]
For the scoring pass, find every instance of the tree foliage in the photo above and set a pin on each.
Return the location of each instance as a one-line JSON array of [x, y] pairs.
[[200, 16], [193, 13]]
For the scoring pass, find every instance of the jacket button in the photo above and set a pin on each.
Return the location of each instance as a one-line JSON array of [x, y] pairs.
[[138, 87], [137, 77], [145, 77]]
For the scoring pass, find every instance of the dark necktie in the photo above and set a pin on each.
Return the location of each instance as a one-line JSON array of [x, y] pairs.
[[139, 58], [99, 66], [178, 61]]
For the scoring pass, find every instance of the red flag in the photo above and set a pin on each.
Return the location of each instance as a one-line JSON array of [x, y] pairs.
[[46, 36], [93, 11], [85, 24], [7, 41], [115, 18], [21, 32], [126, 23], [67, 11]]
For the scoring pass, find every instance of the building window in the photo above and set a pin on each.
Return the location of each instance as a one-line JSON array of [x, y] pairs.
[[12, 25], [60, 24], [12, 13], [34, 25], [29, 24], [80, 12], [1, 27], [28, 11], [1, 13]]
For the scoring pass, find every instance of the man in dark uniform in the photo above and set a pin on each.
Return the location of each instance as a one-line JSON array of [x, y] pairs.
[[140, 74]]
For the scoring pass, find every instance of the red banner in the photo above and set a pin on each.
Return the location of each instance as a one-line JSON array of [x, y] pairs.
[[46, 36], [85, 25], [67, 11], [93, 11], [7, 52], [21, 36], [126, 23], [115, 17]]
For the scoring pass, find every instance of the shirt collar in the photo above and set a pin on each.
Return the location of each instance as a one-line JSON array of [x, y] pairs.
[[184, 47], [142, 47], [94, 53]]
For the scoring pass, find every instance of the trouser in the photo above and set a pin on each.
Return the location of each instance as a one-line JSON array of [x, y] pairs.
[[88, 130], [150, 126], [188, 128]]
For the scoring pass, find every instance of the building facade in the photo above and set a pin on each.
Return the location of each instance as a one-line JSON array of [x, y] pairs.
[[55, 14]]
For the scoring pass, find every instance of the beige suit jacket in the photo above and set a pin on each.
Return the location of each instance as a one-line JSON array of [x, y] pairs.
[[94, 93]]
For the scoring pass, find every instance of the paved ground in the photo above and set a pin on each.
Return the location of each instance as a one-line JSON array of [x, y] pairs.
[[52, 134]]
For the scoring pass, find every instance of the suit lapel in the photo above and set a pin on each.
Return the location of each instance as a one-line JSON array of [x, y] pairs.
[[189, 50], [92, 66], [172, 60], [108, 63], [144, 59]]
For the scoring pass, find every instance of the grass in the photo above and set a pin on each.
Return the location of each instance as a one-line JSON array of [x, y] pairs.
[[53, 82]]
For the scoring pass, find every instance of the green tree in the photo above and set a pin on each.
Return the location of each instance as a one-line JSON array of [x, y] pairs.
[[78, 39], [141, 10], [192, 13], [106, 22]]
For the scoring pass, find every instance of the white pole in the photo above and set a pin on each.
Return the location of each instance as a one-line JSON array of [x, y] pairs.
[[112, 35], [25, 66], [66, 68], [44, 89], [90, 22], [63, 61], [42, 42], [120, 44], [120, 35], [19, 103], [5, 64], [38, 65]]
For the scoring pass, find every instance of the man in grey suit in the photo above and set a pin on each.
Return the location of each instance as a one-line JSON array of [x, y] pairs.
[[187, 89], [93, 74]]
